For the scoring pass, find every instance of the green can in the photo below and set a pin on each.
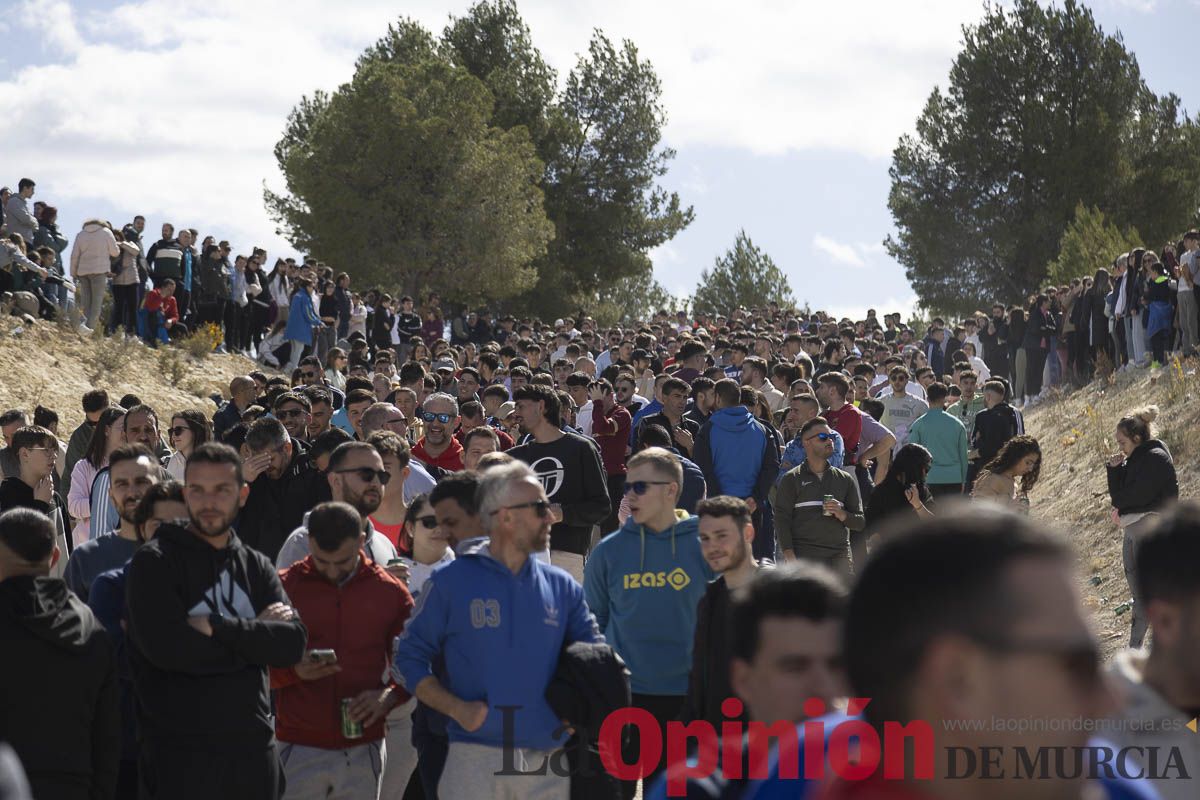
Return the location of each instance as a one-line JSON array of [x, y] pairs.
[[351, 728], [829, 499]]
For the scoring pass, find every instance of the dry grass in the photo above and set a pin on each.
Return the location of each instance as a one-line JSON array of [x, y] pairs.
[[1076, 433], [53, 366]]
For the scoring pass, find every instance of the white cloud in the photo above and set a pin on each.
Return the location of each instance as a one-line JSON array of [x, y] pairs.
[[171, 108], [855, 254]]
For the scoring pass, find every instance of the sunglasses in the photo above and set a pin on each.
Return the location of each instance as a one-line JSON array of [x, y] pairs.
[[179, 430], [289, 413], [824, 437], [641, 487], [308, 374], [429, 522], [429, 416], [540, 507], [366, 474]]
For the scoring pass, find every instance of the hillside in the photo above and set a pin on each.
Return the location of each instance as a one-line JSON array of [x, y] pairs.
[[1076, 434], [54, 366]]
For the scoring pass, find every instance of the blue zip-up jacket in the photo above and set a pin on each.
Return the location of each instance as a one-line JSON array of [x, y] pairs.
[[644, 586], [501, 635], [730, 450], [302, 318], [794, 455], [648, 410]]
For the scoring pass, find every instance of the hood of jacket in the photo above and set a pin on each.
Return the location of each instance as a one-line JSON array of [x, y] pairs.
[[734, 419], [93, 225], [49, 610], [658, 542], [1148, 445]]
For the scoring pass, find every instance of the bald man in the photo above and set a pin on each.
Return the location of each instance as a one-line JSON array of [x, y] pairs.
[[242, 393]]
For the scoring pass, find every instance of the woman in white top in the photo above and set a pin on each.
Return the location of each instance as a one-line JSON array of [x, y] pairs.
[[430, 548], [189, 429], [335, 362], [108, 435]]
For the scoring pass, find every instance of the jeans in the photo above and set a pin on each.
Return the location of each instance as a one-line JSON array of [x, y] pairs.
[[1137, 351], [1187, 321], [91, 297]]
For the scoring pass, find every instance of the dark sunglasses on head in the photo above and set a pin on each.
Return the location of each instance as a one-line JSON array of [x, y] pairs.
[[641, 487], [429, 416], [178, 430], [366, 474]]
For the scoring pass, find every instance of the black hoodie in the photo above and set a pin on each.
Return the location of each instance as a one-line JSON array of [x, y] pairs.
[[993, 427], [196, 692], [276, 506], [58, 690]]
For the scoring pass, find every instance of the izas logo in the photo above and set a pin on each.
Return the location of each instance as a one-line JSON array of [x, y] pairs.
[[677, 579]]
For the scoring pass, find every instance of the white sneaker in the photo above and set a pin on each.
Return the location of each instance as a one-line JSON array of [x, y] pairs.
[[85, 330]]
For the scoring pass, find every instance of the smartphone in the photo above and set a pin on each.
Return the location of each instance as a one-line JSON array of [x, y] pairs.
[[322, 656]]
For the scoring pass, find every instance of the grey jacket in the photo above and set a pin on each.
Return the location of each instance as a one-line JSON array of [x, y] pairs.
[[19, 217]]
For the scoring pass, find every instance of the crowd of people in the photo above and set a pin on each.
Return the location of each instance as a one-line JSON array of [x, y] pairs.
[[430, 560]]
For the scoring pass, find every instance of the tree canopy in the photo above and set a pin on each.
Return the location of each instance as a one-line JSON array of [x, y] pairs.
[[1043, 111], [1089, 242], [460, 162], [745, 277]]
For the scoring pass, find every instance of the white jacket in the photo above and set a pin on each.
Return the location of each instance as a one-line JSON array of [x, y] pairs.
[[93, 250], [1146, 719]]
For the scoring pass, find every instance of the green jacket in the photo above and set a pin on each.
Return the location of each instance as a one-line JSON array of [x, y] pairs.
[[946, 440], [800, 521], [965, 413]]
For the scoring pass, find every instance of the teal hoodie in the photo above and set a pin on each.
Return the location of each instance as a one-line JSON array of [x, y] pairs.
[[643, 586]]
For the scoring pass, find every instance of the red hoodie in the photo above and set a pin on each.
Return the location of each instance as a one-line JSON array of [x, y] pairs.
[[358, 620], [611, 431]]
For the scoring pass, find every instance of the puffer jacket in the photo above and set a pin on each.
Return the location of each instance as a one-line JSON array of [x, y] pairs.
[[94, 249]]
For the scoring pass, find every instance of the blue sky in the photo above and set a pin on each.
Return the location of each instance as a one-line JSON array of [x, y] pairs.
[[783, 114]]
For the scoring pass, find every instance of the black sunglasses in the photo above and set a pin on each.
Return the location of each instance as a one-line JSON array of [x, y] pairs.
[[641, 487], [366, 474], [429, 521], [429, 416], [540, 507], [178, 430]]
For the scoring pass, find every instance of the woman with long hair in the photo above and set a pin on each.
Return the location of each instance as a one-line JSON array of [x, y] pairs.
[[108, 435], [259, 309], [279, 291], [903, 494], [302, 322], [335, 362], [1096, 337], [189, 429], [1141, 481], [1019, 459]]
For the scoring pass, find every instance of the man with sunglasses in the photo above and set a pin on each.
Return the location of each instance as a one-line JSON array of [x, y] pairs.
[[294, 410], [643, 583], [900, 408], [356, 476], [438, 447], [995, 641], [313, 374], [284, 484], [817, 504], [500, 619]]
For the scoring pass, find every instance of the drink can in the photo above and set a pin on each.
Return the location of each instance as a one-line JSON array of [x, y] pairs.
[[351, 728], [828, 499]]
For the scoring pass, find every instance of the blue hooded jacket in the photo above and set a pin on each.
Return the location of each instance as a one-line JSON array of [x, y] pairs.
[[644, 586], [501, 635], [736, 441]]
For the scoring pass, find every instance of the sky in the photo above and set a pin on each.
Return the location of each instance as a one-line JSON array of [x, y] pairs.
[[783, 114]]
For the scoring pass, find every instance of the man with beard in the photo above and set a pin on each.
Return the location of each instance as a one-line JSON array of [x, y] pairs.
[[351, 605], [132, 471], [283, 483], [726, 535], [501, 620], [438, 447], [357, 477], [320, 411], [294, 410], [207, 616]]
